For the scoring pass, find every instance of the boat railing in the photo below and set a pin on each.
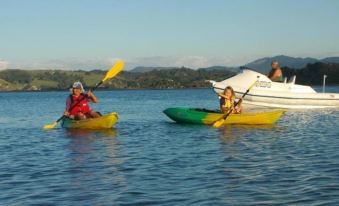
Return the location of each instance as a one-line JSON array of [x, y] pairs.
[[292, 79], [324, 82]]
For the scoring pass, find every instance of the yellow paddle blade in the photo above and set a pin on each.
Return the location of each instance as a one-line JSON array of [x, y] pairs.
[[219, 123], [116, 68], [50, 126]]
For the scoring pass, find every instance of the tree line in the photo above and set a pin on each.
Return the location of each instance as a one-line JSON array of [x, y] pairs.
[[155, 79], [14, 79], [312, 74]]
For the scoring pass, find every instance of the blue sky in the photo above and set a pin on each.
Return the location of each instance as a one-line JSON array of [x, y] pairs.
[[93, 33]]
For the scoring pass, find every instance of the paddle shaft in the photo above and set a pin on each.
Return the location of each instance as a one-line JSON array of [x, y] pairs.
[[78, 102], [236, 104]]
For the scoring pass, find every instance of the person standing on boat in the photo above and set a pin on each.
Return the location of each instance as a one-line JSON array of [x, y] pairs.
[[227, 101], [81, 110], [275, 74]]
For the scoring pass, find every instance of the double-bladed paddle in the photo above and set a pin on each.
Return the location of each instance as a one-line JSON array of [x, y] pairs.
[[116, 68]]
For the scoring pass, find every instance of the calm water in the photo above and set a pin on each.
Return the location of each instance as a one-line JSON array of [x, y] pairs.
[[148, 159]]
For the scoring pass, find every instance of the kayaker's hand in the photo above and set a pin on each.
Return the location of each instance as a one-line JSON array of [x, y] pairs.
[[89, 93], [92, 97], [66, 113]]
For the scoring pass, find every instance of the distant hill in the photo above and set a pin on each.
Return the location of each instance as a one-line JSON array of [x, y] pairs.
[[263, 65], [220, 68], [142, 69], [331, 60]]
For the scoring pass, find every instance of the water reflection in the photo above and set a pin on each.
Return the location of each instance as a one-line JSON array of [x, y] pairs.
[[95, 159], [230, 133], [85, 141], [90, 134], [227, 135]]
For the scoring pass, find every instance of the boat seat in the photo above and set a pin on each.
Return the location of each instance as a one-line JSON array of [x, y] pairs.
[[292, 79]]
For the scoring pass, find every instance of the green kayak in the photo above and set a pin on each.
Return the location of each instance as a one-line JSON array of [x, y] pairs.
[[208, 117]]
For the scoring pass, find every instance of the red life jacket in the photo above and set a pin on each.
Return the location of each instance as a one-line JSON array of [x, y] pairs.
[[82, 106]]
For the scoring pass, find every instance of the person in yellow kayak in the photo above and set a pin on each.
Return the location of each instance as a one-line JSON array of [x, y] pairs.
[[227, 101], [275, 74], [80, 110]]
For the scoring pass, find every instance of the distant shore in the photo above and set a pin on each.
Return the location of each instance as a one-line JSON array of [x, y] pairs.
[[56, 80], [140, 89], [163, 78]]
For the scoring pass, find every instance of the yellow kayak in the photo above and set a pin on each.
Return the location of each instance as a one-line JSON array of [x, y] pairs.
[[104, 122], [208, 117]]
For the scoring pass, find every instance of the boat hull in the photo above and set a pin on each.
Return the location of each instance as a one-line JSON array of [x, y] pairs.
[[103, 122], [208, 117], [275, 94]]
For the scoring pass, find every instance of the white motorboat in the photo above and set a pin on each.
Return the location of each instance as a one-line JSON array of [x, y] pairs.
[[276, 94]]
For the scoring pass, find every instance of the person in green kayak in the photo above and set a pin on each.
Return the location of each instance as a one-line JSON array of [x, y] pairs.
[[227, 101], [275, 74], [77, 103]]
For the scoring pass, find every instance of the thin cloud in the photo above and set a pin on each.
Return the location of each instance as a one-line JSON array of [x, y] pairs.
[[193, 62], [3, 64], [65, 64]]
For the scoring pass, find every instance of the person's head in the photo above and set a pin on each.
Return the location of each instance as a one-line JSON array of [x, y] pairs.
[[229, 92], [274, 64], [77, 88]]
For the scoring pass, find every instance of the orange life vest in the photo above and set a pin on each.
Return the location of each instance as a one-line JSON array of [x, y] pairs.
[[82, 106]]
